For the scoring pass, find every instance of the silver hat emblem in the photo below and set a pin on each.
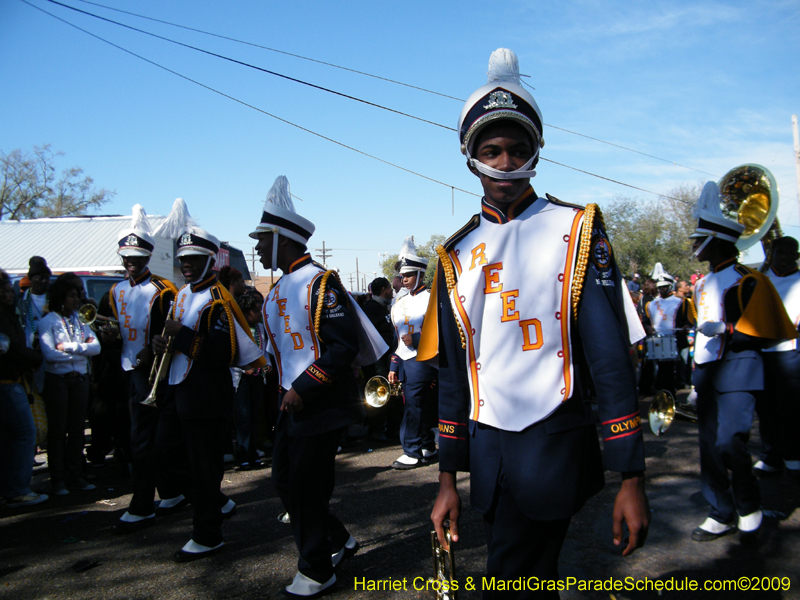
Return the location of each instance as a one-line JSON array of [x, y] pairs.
[[186, 240], [132, 240], [500, 99]]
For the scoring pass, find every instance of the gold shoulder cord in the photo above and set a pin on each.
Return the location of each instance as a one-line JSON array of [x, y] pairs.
[[231, 324], [592, 211], [323, 285], [741, 288], [450, 281]]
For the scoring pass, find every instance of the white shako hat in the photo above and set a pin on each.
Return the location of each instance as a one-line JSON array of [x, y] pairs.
[[711, 222], [661, 277], [408, 258], [136, 240], [191, 239], [280, 217], [503, 97]]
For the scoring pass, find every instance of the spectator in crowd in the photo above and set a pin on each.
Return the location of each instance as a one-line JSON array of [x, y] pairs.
[[67, 345], [33, 306], [249, 395], [17, 429], [233, 280]]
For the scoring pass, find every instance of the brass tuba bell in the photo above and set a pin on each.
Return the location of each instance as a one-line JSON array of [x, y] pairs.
[[749, 195], [378, 391]]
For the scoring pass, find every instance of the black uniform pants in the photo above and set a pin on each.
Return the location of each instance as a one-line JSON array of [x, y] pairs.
[[203, 420], [303, 471], [157, 449]]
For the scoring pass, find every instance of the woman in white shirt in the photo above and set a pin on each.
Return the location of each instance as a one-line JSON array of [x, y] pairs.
[[66, 344]]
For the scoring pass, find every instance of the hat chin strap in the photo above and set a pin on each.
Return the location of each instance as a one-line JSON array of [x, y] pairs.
[[524, 172], [275, 251], [703, 245]]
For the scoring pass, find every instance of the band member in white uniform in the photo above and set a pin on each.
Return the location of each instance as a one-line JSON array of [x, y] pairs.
[[530, 321], [420, 389], [738, 314], [140, 305], [208, 335], [668, 315], [316, 334], [779, 412]]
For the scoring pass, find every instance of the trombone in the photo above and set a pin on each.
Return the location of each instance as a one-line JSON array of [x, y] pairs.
[[160, 366]]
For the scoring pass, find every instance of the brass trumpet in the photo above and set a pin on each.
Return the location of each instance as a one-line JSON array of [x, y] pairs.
[[378, 391], [444, 566], [664, 410], [160, 367], [87, 314]]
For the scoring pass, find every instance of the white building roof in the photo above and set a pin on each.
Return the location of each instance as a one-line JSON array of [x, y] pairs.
[[66, 243]]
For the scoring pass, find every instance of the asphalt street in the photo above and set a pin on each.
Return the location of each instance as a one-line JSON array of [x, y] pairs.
[[388, 512]]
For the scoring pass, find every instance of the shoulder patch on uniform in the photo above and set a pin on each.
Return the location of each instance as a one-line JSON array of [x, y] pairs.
[[158, 282], [216, 293], [453, 239], [555, 200], [600, 253]]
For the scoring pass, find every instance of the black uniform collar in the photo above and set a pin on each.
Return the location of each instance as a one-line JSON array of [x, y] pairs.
[[420, 288], [510, 212], [204, 284], [145, 275], [786, 274], [724, 265], [300, 263]]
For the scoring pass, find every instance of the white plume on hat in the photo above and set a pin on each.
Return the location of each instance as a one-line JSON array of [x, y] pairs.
[[409, 259], [279, 194], [279, 215], [177, 220], [660, 276], [503, 66], [136, 240], [408, 249]]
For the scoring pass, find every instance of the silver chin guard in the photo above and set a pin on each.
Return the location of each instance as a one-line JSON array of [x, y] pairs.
[[703, 245], [523, 172]]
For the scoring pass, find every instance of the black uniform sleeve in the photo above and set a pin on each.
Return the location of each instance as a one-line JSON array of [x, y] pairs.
[[159, 314], [209, 345], [339, 343], [453, 386], [19, 357], [604, 341]]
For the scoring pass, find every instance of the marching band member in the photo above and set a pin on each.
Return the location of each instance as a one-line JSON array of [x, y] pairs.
[[779, 413], [419, 379], [316, 333], [738, 313], [140, 304], [667, 314], [528, 316], [208, 335]]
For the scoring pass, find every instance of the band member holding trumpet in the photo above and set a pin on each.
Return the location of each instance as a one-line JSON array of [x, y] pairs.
[[316, 334], [140, 304], [739, 313], [206, 335], [419, 379], [529, 319]]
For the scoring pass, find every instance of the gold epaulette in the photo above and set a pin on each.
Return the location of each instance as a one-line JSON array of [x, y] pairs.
[[321, 299], [164, 286], [591, 213], [112, 302], [450, 282]]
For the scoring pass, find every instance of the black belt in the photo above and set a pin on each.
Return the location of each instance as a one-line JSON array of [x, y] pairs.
[[71, 375]]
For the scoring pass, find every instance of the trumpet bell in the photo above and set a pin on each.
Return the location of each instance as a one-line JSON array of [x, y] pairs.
[[87, 314], [378, 391], [749, 195], [662, 412]]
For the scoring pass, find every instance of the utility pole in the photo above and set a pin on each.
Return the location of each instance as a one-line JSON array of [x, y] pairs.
[[358, 280], [351, 282], [252, 257], [796, 155], [323, 253]]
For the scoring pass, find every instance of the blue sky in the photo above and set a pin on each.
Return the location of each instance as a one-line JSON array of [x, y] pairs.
[[708, 85]]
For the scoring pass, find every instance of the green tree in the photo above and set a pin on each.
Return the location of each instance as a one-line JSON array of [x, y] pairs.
[[30, 188], [389, 264], [643, 233]]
